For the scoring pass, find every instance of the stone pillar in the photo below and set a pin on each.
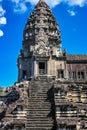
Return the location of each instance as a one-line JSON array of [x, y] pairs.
[[35, 68], [85, 75], [49, 62], [45, 66], [32, 67], [77, 75], [67, 73]]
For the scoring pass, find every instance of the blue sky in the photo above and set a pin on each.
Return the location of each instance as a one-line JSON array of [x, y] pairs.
[[71, 16]]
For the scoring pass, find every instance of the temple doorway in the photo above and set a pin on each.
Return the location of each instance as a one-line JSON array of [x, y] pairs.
[[42, 68]]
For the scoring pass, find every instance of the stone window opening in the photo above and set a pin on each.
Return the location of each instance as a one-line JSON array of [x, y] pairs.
[[24, 74], [60, 73], [78, 75], [74, 74], [81, 75]]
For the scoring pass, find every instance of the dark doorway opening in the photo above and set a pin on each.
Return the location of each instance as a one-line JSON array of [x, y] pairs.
[[24, 74], [42, 68]]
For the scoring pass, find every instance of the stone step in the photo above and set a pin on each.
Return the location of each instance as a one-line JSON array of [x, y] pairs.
[[38, 100], [40, 112], [31, 124], [38, 116], [37, 97], [30, 112], [37, 103], [38, 128], [45, 102], [40, 123], [40, 86], [42, 99], [40, 82], [38, 91], [38, 94], [39, 108], [40, 119]]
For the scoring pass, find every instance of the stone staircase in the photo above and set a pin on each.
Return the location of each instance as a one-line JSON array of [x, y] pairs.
[[40, 114]]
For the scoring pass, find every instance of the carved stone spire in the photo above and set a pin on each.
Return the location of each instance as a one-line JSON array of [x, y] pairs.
[[41, 28]]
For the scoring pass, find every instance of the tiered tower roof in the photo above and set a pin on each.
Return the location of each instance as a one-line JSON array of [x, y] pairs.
[[41, 28]]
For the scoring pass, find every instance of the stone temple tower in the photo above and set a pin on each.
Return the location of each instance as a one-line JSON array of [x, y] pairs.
[[51, 92], [40, 44]]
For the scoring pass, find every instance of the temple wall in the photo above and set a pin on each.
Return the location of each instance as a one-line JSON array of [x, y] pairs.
[[53, 67], [77, 70]]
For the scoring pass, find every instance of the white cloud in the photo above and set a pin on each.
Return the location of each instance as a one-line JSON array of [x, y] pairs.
[[2, 11], [53, 3], [1, 33], [3, 20], [20, 5], [80, 3], [33, 2], [20, 8], [71, 12]]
